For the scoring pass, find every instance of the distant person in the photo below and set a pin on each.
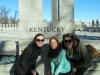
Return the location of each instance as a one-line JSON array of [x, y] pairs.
[[59, 64], [85, 35], [27, 61], [80, 55]]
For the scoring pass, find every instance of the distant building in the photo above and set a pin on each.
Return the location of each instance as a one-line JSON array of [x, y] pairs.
[[93, 26], [78, 26]]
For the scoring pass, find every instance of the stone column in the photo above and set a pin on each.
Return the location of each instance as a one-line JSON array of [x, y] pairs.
[[30, 10], [63, 13], [66, 8], [30, 13], [61, 8], [37, 10], [54, 10]]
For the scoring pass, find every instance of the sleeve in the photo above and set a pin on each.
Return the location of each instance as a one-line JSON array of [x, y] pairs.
[[61, 62], [52, 67], [84, 53], [27, 60]]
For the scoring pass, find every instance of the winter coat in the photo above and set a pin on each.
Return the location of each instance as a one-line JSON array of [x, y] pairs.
[[60, 64], [27, 60], [81, 57]]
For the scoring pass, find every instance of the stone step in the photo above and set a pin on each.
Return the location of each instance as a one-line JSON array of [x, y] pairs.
[[6, 69]]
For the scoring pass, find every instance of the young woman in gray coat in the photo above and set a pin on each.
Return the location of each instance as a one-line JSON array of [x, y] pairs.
[[80, 55]]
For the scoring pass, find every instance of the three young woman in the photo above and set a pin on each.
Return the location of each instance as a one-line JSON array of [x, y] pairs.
[[70, 54]]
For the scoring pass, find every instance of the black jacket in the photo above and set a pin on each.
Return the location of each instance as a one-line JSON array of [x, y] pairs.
[[27, 60]]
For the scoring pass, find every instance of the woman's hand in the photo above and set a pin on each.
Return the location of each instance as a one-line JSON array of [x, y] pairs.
[[74, 71], [49, 73], [33, 72]]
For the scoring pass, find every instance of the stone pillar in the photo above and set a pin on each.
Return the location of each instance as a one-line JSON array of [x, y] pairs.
[[61, 8], [63, 14], [30, 13], [39, 9], [30, 10], [66, 8], [54, 10]]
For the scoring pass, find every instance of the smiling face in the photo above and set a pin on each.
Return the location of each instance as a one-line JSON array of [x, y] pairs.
[[53, 44], [39, 41], [68, 42]]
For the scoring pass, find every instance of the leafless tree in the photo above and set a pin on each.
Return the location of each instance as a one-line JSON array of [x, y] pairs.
[[14, 19], [4, 19]]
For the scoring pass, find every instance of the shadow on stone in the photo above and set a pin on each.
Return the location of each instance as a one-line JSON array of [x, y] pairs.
[[94, 68]]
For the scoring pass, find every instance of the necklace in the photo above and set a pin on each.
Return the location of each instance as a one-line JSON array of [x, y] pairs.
[[70, 53]]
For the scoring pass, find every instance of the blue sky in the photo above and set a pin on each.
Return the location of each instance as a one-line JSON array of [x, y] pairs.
[[47, 9], [84, 10], [11, 5]]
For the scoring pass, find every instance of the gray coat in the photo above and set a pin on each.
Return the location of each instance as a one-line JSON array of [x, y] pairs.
[[83, 60]]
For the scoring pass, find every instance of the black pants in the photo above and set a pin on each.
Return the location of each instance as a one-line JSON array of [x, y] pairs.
[[80, 71], [65, 73]]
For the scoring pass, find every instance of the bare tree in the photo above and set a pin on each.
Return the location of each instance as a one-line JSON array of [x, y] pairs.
[[93, 25], [4, 19], [14, 20]]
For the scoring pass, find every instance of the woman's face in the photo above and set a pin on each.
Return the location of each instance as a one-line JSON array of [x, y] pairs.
[[39, 41], [53, 44], [68, 42]]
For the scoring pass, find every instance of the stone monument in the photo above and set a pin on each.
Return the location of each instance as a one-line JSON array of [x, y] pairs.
[[31, 18]]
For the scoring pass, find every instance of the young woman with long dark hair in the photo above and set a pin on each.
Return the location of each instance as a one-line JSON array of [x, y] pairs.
[[59, 64], [80, 55]]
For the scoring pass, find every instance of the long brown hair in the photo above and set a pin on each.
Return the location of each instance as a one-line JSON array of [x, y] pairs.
[[93, 52], [54, 53], [76, 41], [74, 38]]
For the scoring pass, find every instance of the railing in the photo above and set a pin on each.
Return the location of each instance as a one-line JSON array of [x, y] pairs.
[[8, 27]]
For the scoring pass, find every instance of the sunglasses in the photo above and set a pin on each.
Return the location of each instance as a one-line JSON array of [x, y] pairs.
[[68, 41], [40, 40]]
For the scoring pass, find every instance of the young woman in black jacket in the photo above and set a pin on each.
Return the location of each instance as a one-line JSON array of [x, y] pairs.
[[26, 62]]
